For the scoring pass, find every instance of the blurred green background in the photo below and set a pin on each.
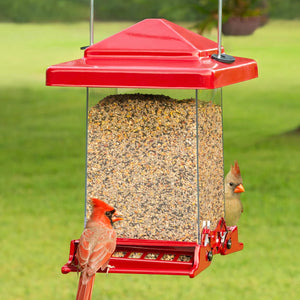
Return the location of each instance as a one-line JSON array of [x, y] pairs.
[[129, 10], [42, 157]]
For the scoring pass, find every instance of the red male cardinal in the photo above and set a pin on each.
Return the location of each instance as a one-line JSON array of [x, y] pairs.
[[233, 188], [97, 244]]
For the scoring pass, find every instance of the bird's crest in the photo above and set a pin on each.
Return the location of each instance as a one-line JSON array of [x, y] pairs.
[[103, 211], [97, 203], [235, 169]]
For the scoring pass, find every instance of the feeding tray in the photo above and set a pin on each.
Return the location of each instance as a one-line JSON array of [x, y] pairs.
[[155, 155], [167, 257]]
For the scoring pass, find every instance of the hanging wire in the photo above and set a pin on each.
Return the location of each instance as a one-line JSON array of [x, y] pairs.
[[219, 28], [87, 113]]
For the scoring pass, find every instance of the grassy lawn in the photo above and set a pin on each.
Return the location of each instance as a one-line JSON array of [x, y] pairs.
[[42, 144]]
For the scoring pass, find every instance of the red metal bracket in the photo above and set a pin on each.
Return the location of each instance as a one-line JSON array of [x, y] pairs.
[[167, 257]]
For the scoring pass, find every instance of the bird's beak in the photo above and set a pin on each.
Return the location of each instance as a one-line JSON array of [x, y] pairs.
[[239, 189], [116, 217]]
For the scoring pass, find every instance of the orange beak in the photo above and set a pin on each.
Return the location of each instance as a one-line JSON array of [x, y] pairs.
[[239, 189], [117, 217]]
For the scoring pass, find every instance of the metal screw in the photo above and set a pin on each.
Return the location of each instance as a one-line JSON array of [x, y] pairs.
[[210, 256], [229, 244]]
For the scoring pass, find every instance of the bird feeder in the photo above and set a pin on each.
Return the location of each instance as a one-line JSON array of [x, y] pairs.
[[155, 144]]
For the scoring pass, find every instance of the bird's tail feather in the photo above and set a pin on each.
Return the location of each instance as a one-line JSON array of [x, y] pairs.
[[85, 290]]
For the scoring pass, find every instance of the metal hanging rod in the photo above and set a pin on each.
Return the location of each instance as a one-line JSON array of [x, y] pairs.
[[92, 23], [222, 57]]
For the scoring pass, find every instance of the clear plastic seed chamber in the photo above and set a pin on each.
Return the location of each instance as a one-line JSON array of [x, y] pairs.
[[155, 144], [157, 155]]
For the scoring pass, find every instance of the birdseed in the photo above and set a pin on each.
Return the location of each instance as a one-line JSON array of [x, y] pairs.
[[142, 159]]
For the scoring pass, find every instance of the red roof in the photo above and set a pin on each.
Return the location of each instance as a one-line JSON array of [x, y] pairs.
[[153, 53]]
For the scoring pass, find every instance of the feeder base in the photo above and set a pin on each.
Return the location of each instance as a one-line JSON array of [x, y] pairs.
[[135, 256]]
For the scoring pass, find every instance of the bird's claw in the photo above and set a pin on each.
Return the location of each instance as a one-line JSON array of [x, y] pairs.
[[108, 268]]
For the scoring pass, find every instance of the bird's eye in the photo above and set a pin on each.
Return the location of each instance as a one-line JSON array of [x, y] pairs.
[[231, 183], [109, 213]]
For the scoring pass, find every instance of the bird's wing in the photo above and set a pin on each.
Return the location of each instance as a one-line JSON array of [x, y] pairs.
[[103, 250], [84, 248], [95, 248]]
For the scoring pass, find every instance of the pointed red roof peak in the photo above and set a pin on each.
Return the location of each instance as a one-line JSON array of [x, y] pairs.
[[154, 37]]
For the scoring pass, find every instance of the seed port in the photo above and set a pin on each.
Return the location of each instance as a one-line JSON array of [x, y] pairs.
[[135, 255], [151, 256], [119, 254], [168, 257], [185, 258]]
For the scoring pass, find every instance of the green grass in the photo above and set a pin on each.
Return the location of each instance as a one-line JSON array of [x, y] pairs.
[[42, 143]]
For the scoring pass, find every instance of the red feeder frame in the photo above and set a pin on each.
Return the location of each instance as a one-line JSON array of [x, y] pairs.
[[156, 53]]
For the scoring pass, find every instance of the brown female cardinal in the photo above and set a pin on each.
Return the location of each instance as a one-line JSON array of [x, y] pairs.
[[96, 245], [233, 188]]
